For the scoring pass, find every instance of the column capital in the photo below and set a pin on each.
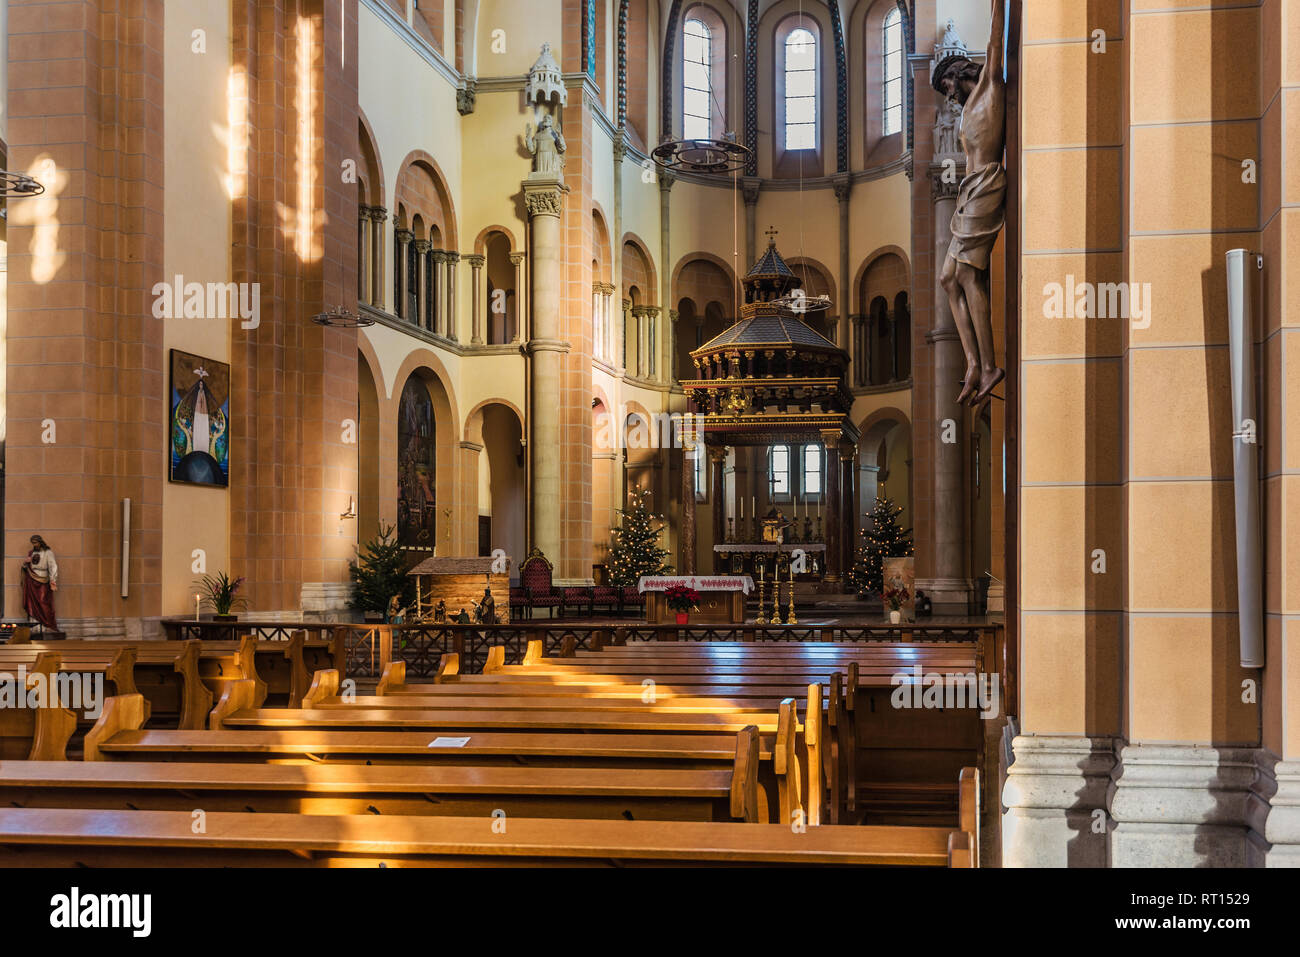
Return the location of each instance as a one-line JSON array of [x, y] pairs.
[[404, 236], [453, 257], [423, 246], [750, 188], [364, 212], [666, 179], [439, 255], [475, 260], [377, 213], [516, 258], [940, 188], [843, 186], [545, 198]]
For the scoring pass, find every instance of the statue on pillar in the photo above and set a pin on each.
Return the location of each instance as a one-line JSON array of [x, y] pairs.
[[981, 200], [40, 580], [547, 146]]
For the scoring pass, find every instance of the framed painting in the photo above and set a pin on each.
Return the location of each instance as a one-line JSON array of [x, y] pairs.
[[198, 423]]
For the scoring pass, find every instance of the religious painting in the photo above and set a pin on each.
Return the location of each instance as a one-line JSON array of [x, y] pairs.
[[900, 572], [199, 423], [416, 496]]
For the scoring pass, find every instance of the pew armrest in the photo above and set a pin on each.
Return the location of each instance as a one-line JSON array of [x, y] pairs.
[[448, 667], [325, 684], [744, 777], [496, 659], [239, 695], [394, 675], [125, 712]]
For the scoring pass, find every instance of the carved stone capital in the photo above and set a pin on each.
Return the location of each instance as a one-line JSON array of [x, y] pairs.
[[438, 255], [422, 246], [516, 258], [378, 214], [466, 97], [544, 200], [404, 236], [750, 189], [666, 179], [475, 260], [843, 186], [940, 187], [453, 257]]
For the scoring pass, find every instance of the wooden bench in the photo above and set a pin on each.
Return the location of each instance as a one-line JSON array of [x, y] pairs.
[[34, 733], [80, 838], [444, 790]]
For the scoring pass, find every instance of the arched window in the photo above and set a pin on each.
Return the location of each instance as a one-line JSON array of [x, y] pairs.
[[778, 471], [697, 81], [892, 68], [800, 90]]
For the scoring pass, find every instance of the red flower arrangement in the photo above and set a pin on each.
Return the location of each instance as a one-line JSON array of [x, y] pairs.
[[681, 598], [896, 596]]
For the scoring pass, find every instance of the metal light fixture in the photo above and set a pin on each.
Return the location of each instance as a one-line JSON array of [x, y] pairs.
[[18, 185], [702, 156], [340, 318]]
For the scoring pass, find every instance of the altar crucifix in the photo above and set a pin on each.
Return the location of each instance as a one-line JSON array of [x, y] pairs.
[[981, 204]]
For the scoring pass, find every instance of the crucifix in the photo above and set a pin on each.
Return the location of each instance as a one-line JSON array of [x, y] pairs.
[[771, 235], [981, 204]]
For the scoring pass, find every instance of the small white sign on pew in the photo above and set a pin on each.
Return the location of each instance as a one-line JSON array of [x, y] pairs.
[[442, 742]]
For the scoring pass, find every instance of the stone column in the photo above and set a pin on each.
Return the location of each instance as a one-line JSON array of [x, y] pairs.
[[750, 190], [690, 449], [453, 258], [597, 320], [840, 334], [477, 297], [422, 250], [949, 589], [660, 368], [378, 222], [517, 260], [848, 465], [718, 493], [624, 313], [544, 199], [404, 238], [834, 565], [365, 249], [670, 335]]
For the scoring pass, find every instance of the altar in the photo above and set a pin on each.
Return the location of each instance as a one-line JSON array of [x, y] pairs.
[[722, 598]]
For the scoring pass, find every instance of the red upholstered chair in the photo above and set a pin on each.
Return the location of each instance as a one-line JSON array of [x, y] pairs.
[[633, 598], [518, 602], [606, 596], [577, 597], [535, 578]]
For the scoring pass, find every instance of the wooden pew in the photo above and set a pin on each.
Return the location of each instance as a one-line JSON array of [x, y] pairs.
[[166, 672], [443, 790], [39, 734], [80, 838]]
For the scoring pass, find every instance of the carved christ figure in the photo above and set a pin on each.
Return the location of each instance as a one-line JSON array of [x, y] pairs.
[[546, 145], [981, 204]]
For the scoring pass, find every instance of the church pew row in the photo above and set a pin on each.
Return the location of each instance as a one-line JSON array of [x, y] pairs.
[[456, 791], [779, 757], [497, 691], [283, 668], [40, 733], [98, 838], [899, 762]]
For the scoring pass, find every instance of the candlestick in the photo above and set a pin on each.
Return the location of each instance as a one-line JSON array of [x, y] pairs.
[[790, 619], [197, 600]]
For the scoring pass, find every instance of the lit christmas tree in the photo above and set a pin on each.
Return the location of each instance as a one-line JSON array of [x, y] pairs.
[[634, 548], [881, 538]]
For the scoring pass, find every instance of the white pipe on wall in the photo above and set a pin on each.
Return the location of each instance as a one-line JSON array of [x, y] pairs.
[[1243, 270], [126, 545]]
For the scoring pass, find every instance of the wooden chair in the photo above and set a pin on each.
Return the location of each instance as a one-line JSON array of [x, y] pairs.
[[578, 597]]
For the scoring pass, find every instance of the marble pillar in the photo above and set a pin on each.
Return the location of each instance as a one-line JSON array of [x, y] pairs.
[[832, 533], [840, 334], [378, 221], [404, 238], [517, 260], [422, 249], [544, 199], [453, 259], [365, 250], [661, 357], [477, 297], [718, 493], [691, 447]]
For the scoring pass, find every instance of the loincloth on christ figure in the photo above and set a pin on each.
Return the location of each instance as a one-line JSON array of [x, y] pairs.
[[980, 216]]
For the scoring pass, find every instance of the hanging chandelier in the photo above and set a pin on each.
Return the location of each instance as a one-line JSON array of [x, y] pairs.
[[340, 318], [801, 304], [702, 156], [18, 185]]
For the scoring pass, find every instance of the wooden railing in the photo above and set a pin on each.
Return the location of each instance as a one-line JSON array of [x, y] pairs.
[[367, 649]]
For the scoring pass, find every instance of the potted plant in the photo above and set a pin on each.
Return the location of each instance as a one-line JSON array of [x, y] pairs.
[[895, 597], [220, 594], [683, 600]]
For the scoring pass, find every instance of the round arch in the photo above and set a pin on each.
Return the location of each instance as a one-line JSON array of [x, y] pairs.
[[419, 158]]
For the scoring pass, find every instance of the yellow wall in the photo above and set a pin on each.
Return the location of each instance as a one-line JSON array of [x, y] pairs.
[[196, 244]]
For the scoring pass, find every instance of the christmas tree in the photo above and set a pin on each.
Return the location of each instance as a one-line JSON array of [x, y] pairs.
[[634, 548], [881, 538], [380, 574]]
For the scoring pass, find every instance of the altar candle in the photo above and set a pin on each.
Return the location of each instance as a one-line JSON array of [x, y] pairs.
[[741, 503], [197, 599]]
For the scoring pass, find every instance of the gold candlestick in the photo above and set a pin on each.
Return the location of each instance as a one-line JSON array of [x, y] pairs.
[[762, 618], [790, 619]]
